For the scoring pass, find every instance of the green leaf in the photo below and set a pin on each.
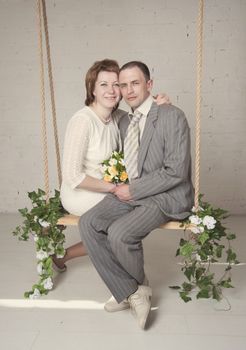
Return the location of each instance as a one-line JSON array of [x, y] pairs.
[[205, 281], [190, 271], [187, 249], [231, 236], [231, 256], [177, 252], [228, 268], [187, 287], [218, 250], [226, 283], [203, 237], [216, 293], [204, 293], [182, 242], [199, 272], [174, 287], [185, 297]]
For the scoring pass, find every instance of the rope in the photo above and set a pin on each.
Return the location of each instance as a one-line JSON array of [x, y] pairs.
[[198, 103], [42, 95], [52, 95]]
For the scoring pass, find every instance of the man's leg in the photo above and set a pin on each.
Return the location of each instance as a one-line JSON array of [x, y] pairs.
[[93, 226], [112, 232], [125, 236]]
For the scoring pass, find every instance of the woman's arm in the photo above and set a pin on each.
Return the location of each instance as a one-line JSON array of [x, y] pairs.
[[75, 151], [96, 185]]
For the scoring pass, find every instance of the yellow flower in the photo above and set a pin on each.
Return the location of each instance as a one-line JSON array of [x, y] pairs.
[[107, 178], [123, 176], [112, 171]]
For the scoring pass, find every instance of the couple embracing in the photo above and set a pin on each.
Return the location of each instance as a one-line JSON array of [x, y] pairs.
[[155, 138]]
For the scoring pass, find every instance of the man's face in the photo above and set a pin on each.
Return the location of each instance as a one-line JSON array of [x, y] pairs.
[[134, 87]]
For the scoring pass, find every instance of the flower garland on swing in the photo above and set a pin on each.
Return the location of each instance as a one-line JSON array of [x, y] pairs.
[[205, 240]]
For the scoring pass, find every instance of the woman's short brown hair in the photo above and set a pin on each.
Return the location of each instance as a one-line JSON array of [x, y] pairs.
[[105, 65]]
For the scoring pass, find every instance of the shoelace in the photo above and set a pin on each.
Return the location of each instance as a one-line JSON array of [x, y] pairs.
[[136, 300]]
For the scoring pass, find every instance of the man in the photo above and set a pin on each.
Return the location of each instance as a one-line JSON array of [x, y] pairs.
[[157, 154]]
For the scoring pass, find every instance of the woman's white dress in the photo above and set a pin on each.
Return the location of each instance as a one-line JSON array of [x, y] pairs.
[[88, 141]]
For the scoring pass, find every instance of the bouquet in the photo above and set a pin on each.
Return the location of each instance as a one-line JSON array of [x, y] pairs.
[[114, 169]]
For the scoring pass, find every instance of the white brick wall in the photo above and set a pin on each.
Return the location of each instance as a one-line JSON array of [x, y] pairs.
[[162, 33]]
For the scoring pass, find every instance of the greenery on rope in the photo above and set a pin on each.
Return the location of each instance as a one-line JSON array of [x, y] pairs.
[[40, 222], [203, 244]]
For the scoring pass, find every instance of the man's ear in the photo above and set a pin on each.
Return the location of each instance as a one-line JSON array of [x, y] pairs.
[[149, 85]]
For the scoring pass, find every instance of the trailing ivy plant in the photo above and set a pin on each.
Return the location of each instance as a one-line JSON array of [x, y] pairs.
[[204, 243], [40, 222]]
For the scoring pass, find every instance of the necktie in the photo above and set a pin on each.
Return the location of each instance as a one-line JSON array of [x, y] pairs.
[[131, 146]]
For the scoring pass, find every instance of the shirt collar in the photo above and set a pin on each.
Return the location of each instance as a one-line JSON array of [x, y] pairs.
[[144, 108]]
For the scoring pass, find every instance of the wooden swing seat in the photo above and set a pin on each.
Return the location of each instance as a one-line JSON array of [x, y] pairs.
[[72, 220]]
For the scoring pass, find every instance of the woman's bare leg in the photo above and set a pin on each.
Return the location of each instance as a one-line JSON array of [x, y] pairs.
[[72, 252]]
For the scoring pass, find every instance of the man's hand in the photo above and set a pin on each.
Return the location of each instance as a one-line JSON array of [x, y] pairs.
[[122, 192], [162, 98]]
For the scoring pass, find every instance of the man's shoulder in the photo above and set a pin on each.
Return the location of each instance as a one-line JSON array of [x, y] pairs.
[[170, 112], [169, 109]]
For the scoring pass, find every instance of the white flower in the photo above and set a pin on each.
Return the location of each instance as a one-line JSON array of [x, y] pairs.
[[41, 255], [195, 220], [35, 237], [198, 258], [48, 284], [35, 218], [60, 256], [197, 229], [35, 295], [209, 221], [40, 268], [113, 161], [194, 210], [44, 223]]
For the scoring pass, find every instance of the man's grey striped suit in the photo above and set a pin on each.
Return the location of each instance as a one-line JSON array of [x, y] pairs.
[[113, 230]]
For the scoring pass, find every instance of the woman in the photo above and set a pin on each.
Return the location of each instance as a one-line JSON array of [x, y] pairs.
[[91, 136]]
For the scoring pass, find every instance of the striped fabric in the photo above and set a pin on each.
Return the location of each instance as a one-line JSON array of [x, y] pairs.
[[112, 233], [131, 146]]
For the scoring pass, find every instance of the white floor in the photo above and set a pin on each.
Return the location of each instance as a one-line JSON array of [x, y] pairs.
[[72, 316]]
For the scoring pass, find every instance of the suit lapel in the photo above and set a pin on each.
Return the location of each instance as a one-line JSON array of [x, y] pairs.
[[147, 135]]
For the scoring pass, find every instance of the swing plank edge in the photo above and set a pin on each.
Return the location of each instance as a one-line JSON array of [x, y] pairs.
[[69, 219]]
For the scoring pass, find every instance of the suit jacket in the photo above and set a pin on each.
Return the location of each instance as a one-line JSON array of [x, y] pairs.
[[164, 161]]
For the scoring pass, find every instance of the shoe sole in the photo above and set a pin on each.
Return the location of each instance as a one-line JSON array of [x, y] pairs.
[[58, 269], [120, 308]]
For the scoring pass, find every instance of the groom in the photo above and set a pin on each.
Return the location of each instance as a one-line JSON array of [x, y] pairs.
[[157, 155]]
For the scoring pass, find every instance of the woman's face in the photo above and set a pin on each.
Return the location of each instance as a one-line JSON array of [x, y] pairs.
[[107, 91]]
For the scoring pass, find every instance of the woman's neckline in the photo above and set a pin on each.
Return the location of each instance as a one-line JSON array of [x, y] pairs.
[[102, 120]]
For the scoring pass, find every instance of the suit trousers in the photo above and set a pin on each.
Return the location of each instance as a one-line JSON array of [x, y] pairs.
[[112, 233]]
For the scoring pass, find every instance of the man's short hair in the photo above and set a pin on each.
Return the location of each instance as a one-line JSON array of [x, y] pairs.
[[142, 66]]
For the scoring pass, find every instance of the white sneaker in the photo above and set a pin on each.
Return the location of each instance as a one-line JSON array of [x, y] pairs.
[[140, 304], [112, 306]]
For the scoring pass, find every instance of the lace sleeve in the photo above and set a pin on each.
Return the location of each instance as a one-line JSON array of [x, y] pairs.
[[75, 149]]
